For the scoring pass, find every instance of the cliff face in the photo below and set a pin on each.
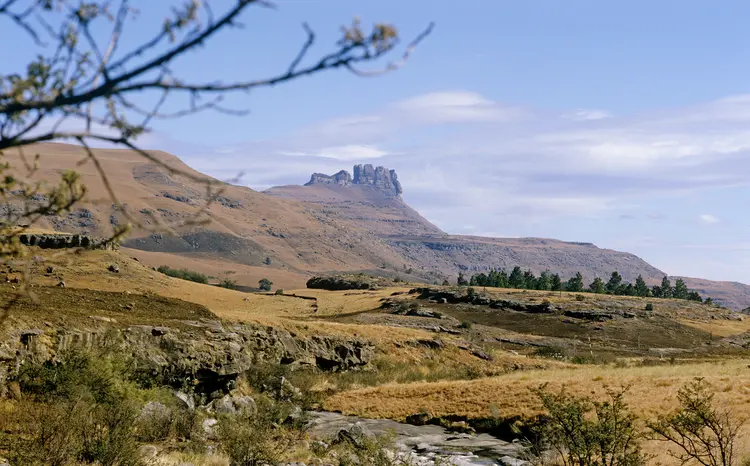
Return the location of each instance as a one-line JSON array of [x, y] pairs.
[[364, 175]]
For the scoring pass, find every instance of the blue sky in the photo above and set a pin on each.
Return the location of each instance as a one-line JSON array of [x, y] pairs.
[[626, 124]]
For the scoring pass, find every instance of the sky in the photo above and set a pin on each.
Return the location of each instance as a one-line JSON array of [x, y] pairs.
[[622, 123]]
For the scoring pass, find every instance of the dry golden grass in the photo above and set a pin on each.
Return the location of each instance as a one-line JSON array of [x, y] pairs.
[[652, 390], [720, 328]]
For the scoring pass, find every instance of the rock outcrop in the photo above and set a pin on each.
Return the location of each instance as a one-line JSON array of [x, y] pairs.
[[62, 241], [201, 356], [342, 178], [364, 175]]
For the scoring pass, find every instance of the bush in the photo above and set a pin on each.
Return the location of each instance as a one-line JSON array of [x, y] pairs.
[[580, 297], [701, 432], [589, 433], [649, 307], [183, 274], [260, 439], [228, 284], [279, 292], [465, 324], [265, 284]]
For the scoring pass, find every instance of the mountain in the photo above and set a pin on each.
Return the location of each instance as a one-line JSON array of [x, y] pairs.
[[334, 223]]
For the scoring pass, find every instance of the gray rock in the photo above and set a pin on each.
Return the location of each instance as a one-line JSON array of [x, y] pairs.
[[114, 268], [209, 426], [148, 451], [155, 409], [187, 400]]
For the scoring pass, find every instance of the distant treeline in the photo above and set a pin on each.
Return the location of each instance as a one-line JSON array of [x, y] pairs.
[[549, 281]]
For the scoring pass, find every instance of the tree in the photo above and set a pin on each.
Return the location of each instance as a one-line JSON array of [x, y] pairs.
[[516, 279], [502, 279], [461, 280], [267, 261], [695, 296], [680, 289], [85, 84], [529, 280], [557, 284], [656, 291], [597, 286], [575, 284], [641, 289], [614, 282], [666, 288], [265, 284], [709, 301], [591, 433], [545, 281], [700, 431]]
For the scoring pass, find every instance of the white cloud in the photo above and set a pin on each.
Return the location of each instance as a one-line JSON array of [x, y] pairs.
[[583, 114], [709, 219], [456, 106], [343, 153]]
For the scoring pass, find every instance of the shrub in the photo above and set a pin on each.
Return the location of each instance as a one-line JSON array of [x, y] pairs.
[[265, 284], [589, 433], [228, 284], [260, 439], [700, 431], [580, 297], [465, 324], [649, 307], [280, 291], [183, 274]]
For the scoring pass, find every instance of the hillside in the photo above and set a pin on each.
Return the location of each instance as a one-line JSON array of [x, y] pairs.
[[336, 223]]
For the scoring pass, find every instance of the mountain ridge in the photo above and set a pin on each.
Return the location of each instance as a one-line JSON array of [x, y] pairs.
[[289, 233]]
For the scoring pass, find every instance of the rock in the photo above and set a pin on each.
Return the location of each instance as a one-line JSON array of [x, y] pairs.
[[357, 435], [342, 178], [50, 269], [245, 405], [114, 268], [147, 451], [364, 175], [287, 391], [209, 426], [510, 461], [431, 344], [187, 400], [154, 409], [61, 284], [159, 331], [223, 405]]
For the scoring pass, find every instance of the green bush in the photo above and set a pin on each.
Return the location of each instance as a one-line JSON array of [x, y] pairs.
[[280, 291], [580, 297], [702, 433], [265, 284], [228, 284], [590, 433], [649, 307], [183, 274], [263, 438], [465, 324]]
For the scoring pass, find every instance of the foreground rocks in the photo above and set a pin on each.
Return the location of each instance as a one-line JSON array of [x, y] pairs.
[[204, 356]]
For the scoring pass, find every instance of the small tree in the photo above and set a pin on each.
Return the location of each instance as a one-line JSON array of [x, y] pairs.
[[461, 280], [516, 280], [614, 282], [641, 289], [597, 286], [700, 431], [557, 284], [586, 433], [666, 288], [575, 284], [680, 289], [265, 284]]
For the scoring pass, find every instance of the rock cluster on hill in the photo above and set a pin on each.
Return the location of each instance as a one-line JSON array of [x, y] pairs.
[[364, 175]]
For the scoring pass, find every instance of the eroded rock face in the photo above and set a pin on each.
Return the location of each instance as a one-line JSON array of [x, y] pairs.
[[203, 356], [62, 241], [364, 175], [342, 178]]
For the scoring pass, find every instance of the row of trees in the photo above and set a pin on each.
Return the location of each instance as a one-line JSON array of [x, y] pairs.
[[549, 281]]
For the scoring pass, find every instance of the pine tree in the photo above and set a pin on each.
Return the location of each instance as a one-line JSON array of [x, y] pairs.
[[545, 281], [641, 289], [557, 284], [461, 280], [502, 279], [656, 291], [597, 286], [614, 282], [680, 289], [529, 280], [695, 296], [516, 278], [666, 288], [575, 284]]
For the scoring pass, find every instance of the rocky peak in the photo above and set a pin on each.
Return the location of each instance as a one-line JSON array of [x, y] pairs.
[[364, 175], [343, 178]]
